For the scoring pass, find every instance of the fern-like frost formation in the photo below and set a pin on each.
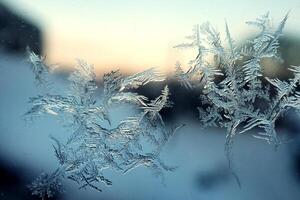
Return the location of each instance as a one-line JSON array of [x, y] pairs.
[[92, 147], [236, 95], [233, 83]]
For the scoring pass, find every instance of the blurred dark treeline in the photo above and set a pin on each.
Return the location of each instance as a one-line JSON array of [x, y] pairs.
[[16, 33]]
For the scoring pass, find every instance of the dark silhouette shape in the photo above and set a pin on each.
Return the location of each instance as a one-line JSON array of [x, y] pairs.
[[13, 182], [16, 33]]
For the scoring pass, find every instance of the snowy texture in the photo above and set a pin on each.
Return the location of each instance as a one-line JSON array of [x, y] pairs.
[[95, 144], [236, 94]]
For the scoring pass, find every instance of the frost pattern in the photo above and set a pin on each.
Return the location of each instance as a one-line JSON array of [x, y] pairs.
[[233, 83], [92, 147], [46, 185], [40, 70]]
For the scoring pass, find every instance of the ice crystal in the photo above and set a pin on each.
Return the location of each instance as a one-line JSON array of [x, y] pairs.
[[92, 146], [39, 68], [46, 185], [233, 83]]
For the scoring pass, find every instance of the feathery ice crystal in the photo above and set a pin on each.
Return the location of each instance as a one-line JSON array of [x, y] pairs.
[[233, 83], [236, 95], [92, 148]]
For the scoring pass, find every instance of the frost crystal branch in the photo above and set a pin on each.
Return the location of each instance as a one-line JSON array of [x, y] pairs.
[[233, 82], [92, 148]]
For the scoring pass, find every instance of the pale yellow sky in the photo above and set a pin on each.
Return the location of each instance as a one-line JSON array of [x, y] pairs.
[[133, 35]]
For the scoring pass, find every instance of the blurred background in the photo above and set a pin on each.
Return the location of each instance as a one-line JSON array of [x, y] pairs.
[[132, 36], [135, 34]]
